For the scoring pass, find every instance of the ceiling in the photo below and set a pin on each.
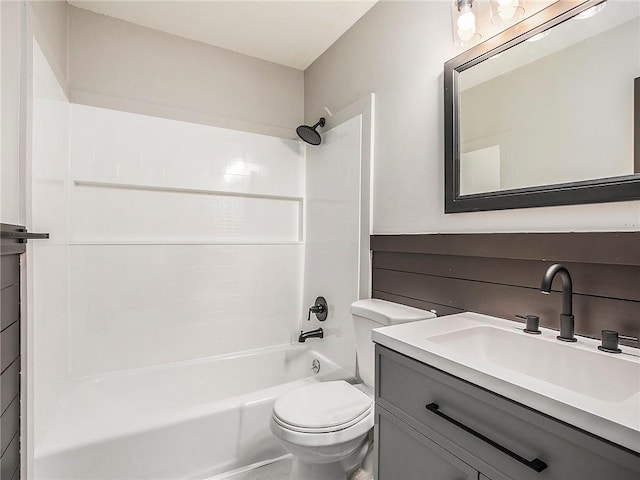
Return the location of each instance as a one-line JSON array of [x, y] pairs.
[[292, 33]]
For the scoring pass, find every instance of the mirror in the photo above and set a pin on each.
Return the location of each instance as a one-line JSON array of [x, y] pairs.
[[545, 113]]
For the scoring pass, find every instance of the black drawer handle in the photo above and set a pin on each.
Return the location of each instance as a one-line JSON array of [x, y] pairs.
[[535, 464]]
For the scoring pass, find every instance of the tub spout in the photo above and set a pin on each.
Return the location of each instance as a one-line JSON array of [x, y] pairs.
[[317, 333]]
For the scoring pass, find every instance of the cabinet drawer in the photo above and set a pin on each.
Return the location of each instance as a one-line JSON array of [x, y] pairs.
[[405, 386], [405, 454]]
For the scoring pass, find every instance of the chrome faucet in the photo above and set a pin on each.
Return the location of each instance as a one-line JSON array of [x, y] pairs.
[[566, 318]]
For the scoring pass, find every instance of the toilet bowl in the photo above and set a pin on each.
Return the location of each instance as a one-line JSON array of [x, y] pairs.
[[325, 426], [328, 426]]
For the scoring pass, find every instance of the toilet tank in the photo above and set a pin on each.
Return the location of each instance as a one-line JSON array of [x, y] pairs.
[[373, 313]]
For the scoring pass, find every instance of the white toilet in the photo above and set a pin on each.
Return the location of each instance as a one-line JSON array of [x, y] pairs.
[[327, 425]]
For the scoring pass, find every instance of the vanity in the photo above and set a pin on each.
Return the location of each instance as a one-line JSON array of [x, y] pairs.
[[472, 396]]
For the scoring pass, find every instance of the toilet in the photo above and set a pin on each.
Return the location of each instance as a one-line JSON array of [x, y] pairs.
[[328, 426]]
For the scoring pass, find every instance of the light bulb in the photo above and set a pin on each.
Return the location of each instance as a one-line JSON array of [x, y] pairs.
[[538, 37], [590, 12], [506, 9], [466, 24]]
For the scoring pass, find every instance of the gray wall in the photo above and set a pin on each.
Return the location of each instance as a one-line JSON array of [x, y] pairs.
[[119, 65], [110, 63], [397, 50], [49, 24]]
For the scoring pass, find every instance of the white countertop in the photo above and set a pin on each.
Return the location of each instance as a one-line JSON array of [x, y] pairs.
[[614, 417]]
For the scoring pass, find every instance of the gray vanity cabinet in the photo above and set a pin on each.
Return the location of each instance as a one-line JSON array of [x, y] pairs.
[[511, 441], [406, 454]]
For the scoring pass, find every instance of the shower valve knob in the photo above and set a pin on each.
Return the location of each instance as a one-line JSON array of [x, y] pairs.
[[320, 309]]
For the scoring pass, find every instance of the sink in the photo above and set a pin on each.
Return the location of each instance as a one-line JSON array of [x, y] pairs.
[[574, 382], [606, 377]]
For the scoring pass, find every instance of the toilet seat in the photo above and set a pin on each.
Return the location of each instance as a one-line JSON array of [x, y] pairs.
[[322, 407], [322, 414], [330, 429]]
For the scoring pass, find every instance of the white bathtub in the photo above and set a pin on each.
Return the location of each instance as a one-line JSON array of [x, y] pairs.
[[188, 420]]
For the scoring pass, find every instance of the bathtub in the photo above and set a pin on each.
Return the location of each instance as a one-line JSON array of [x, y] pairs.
[[188, 420]]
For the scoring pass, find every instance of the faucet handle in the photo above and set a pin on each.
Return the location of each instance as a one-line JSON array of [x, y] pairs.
[[320, 309], [610, 341], [533, 322]]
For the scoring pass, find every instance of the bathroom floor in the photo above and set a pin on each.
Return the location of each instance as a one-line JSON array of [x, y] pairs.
[[279, 470]]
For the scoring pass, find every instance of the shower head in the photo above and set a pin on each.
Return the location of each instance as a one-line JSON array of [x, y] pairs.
[[309, 134]]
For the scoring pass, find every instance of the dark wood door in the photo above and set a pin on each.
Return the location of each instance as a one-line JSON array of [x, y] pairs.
[[10, 252]]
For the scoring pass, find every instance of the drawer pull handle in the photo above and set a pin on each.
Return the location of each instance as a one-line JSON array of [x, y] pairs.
[[535, 464]]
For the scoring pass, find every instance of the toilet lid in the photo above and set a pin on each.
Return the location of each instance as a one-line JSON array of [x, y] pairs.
[[322, 405]]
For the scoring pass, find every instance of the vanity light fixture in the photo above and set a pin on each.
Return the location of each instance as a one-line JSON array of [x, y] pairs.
[[506, 11], [591, 11], [465, 22], [537, 37]]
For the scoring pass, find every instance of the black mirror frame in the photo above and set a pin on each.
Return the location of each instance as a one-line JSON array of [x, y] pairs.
[[615, 189]]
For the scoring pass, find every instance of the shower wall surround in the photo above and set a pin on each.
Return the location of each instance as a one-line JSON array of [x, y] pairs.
[[186, 240], [47, 262], [332, 246], [169, 241]]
